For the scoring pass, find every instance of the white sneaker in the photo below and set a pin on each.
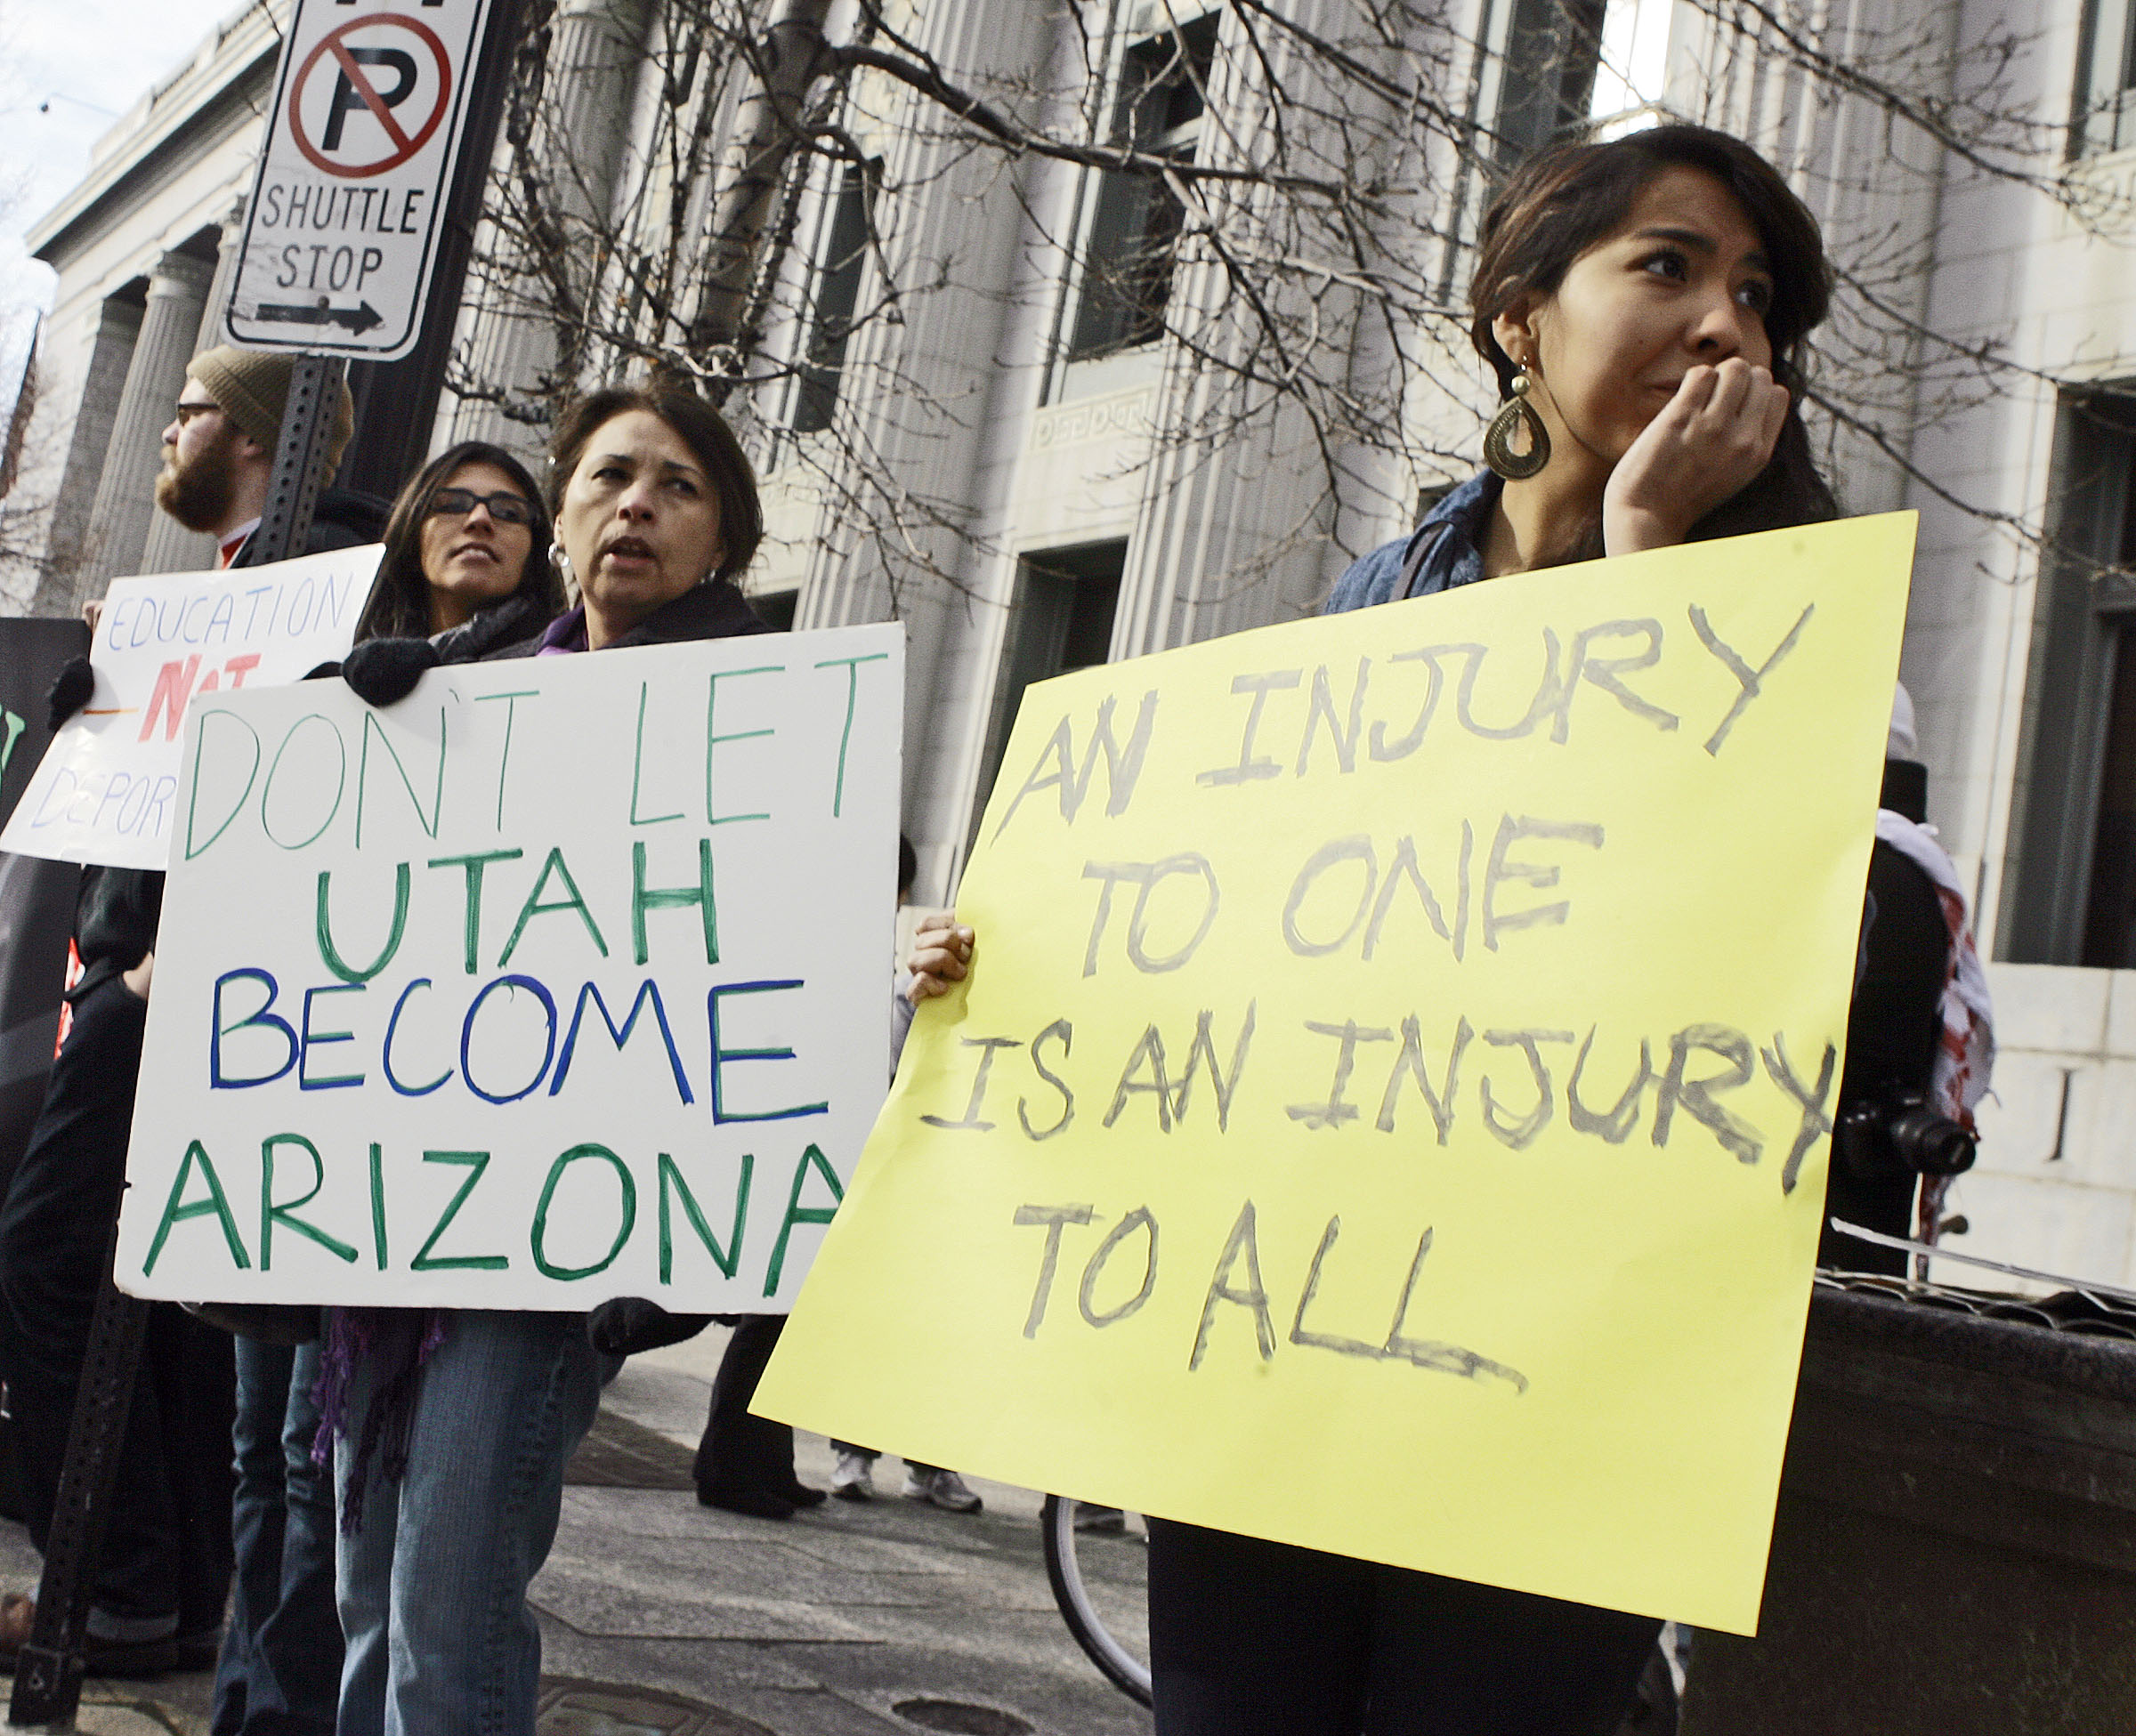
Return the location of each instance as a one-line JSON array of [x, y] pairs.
[[948, 1490], [854, 1480]]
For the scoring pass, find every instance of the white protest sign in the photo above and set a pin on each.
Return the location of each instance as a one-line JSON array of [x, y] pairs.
[[561, 978], [106, 789], [341, 233]]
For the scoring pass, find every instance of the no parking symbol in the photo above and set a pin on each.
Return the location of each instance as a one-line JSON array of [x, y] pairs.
[[344, 74], [341, 234]]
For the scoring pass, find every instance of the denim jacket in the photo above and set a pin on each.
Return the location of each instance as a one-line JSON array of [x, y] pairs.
[[1446, 550]]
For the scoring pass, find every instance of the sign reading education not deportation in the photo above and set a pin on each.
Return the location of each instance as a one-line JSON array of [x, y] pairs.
[[561, 979], [341, 233], [1387, 1112], [106, 789]]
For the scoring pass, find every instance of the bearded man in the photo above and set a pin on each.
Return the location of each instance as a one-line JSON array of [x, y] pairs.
[[218, 454], [164, 1577]]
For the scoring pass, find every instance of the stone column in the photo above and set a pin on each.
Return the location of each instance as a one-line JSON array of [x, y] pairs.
[[171, 547], [125, 494], [118, 325], [229, 250]]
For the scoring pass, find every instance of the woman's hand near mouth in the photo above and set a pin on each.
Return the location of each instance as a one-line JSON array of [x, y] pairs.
[[1714, 435]]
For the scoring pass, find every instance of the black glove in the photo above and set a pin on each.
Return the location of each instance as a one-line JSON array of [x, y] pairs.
[[70, 692], [382, 672], [625, 1324]]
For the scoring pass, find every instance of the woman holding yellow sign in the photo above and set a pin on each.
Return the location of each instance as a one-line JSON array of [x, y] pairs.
[[1643, 304]]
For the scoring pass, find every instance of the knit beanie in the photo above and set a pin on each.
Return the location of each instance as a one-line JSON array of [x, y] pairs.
[[252, 390]]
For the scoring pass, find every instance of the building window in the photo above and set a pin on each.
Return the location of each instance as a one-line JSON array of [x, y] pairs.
[[1135, 220], [2110, 908], [2103, 117], [1061, 620], [838, 267], [776, 608], [1535, 82], [2070, 892], [1550, 52]]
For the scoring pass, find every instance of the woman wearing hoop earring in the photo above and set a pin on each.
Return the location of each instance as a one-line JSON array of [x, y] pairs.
[[1643, 304]]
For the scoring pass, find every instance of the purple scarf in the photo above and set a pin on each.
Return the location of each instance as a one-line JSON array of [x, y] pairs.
[[394, 1343]]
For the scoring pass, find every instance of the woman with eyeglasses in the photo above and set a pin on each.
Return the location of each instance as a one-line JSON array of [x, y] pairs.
[[467, 551], [465, 570]]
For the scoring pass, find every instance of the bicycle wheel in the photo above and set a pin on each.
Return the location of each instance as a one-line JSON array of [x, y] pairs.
[[1099, 1583]]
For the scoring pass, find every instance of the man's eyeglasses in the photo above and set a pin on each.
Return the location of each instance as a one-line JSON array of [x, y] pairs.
[[186, 412], [504, 508]]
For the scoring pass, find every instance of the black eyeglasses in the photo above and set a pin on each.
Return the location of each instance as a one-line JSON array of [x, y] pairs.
[[504, 508]]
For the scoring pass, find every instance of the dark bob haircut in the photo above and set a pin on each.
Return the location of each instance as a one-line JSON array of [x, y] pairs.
[[700, 427], [400, 604], [1566, 200]]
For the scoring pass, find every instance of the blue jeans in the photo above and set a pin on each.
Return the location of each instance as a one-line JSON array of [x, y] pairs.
[[280, 1670], [433, 1585]]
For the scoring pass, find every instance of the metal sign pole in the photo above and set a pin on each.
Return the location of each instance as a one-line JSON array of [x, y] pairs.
[[48, 1676], [300, 461]]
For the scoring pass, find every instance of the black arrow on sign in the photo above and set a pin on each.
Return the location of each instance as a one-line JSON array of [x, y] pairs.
[[356, 318]]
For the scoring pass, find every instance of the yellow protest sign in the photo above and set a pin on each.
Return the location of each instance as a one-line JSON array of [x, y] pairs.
[[1388, 1112]]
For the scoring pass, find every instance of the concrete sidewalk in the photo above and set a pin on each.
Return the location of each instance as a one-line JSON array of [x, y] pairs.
[[659, 1615]]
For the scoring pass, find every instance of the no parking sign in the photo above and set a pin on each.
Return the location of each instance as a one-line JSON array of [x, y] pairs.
[[341, 234]]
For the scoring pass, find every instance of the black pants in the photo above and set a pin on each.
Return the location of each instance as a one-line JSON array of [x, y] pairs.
[[740, 1453], [1249, 1638], [167, 1551]]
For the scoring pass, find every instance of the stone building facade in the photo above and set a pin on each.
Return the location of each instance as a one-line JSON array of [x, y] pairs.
[[1068, 531]]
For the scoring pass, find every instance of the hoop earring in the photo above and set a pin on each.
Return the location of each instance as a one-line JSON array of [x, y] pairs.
[[1516, 416], [561, 562]]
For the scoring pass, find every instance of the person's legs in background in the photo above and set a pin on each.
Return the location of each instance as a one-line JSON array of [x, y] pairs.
[[302, 1638], [165, 1569], [280, 1670], [55, 1232], [363, 1572], [939, 1487], [191, 1368], [745, 1464], [854, 1480], [255, 1525]]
